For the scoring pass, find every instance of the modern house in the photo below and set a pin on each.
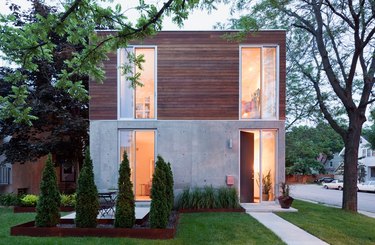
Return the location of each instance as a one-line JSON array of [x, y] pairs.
[[366, 158], [213, 108]]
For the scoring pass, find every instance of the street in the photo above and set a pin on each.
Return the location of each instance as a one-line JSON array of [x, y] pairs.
[[317, 193]]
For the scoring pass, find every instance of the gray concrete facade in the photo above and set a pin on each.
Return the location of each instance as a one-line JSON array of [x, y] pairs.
[[198, 150]]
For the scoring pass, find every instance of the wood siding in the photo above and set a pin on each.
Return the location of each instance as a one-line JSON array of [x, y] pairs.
[[197, 76]]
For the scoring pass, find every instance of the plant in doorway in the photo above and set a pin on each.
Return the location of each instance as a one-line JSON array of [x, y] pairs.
[[267, 186], [285, 200]]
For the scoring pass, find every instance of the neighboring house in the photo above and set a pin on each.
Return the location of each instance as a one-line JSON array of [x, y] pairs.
[[366, 157], [214, 109]]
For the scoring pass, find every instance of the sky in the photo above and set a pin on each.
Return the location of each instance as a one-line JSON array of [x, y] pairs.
[[198, 20]]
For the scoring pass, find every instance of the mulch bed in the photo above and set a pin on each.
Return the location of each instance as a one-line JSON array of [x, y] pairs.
[[21, 209], [105, 228]]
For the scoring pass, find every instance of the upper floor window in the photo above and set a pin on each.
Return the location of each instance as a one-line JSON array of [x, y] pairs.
[[259, 77], [138, 102]]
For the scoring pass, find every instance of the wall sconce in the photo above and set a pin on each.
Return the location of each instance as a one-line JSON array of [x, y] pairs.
[[230, 144]]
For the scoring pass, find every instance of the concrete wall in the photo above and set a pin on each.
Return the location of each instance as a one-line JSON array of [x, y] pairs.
[[198, 151]]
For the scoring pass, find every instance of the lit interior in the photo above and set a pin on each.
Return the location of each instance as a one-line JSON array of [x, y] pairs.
[[140, 147], [144, 95]]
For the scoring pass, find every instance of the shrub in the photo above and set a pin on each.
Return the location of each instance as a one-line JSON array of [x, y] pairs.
[[159, 210], [9, 199], [87, 205], [208, 197], [47, 208], [169, 185], [68, 200], [125, 214], [29, 200]]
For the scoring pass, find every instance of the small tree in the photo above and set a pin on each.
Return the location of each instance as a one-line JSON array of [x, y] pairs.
[[169, 185], [87, 196], [125, 214], [47, 209], [159, 211]]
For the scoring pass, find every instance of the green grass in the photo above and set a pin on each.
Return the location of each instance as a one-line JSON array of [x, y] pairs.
[[197, 228], [332, 225]]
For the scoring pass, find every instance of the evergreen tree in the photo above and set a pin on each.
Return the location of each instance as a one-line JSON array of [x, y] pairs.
[[47, 209], [169, 185], [125, 214], [87, 196], [159, 211]]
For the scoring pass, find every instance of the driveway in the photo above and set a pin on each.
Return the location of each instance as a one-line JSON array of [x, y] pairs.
[[317, 193]]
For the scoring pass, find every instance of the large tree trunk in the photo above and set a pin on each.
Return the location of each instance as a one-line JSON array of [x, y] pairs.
[[353, 136]]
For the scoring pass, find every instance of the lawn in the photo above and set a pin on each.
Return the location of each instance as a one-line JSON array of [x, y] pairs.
[[197, 228], [332, 225]]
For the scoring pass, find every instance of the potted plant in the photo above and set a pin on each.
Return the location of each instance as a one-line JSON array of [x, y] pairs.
[[267, 186], [285, 200]]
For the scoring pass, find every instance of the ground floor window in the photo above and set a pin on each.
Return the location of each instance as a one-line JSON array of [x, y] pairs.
[[257, 165], [140, 148], [372, 172]]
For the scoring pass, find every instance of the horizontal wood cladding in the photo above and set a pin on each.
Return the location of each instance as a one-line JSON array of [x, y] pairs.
[[197, 76]]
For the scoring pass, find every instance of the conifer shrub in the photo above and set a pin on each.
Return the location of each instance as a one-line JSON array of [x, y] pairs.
[[125, 213], [87, 202], [169, 185], [48, 205], [160, 204]]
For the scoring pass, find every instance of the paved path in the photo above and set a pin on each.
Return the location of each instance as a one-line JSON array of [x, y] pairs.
[[289, 233]]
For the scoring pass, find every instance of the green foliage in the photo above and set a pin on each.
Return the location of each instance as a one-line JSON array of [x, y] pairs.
[[285, 189], [9, 199], [125, 213], [29, 200], [87, 205], [68, 200], [267, 183], [169, 185], [48, 206], [208, 197], [307, 154], [160, 204]]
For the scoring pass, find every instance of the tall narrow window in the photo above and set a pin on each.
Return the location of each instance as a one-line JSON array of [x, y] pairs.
[[139, 102], [140, 148], [258, 82]]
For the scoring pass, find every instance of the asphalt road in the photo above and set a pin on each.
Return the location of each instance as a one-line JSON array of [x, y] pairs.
[[317, 193]]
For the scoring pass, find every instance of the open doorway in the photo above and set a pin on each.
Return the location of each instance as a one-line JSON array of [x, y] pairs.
[[257, 165]]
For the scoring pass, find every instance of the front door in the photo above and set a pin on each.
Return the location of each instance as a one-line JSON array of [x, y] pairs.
[[246, 167]]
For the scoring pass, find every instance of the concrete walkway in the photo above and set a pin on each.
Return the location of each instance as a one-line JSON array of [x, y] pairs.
[[289, 233]]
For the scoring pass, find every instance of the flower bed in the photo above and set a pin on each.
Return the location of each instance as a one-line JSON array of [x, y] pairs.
[[105, 228], [212, 210]]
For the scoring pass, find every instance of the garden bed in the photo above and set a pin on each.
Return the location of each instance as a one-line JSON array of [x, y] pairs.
[[21, 209], [212, 210], [105, 228]]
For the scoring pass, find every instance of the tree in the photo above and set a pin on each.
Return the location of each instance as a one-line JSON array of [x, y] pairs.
[[337, 57], [48, 206], [307, 154], [169, 185], [26, 44], [160, 203], [125, 214], [87, 202], [61, 123]]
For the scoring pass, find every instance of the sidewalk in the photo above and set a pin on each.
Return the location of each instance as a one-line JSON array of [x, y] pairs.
[[289, 233]]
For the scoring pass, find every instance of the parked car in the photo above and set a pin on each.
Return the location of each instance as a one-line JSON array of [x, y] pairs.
[[367, 186], [324, 180], [335, 184]]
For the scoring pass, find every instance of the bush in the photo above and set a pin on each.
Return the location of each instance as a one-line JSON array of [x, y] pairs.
[[160, 204], [47, 208], [169, 185], [68, 200], [9, 199], [125, 214], [87, 205], [29, 200], [208, 197]]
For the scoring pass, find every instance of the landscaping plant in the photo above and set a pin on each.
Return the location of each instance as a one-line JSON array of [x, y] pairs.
[[68, 200], [47, 208], [87, 202], [125, 213], [29, 200], [169, 185], [9, 199], [159, 210]]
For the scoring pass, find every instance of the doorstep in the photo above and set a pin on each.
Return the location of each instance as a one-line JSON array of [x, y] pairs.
[[270, 206]]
